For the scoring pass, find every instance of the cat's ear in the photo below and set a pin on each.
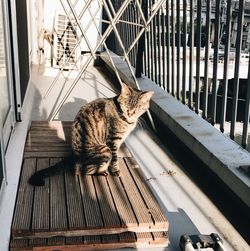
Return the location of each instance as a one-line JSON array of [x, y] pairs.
[[125, 90], [147, 95]]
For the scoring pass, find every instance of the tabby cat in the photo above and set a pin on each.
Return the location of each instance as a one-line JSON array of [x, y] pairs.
[[97, 133]]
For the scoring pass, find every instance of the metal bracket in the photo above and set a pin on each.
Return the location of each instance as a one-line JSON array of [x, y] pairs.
[[200, 242]]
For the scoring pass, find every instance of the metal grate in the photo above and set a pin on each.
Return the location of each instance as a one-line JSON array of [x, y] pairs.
[[65, 41], [114, 16]]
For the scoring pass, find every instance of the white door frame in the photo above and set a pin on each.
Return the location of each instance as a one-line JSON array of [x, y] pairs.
[[7, 123], [15, 69]]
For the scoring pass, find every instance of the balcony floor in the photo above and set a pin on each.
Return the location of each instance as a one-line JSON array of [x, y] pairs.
[[186, 206]]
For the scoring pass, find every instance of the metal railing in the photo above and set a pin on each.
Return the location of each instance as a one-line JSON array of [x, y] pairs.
[[194, 51]]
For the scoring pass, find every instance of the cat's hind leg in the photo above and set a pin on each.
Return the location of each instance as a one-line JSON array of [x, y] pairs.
[[98, 162]]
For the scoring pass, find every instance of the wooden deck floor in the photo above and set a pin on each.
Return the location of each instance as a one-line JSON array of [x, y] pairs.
[[82, 212]]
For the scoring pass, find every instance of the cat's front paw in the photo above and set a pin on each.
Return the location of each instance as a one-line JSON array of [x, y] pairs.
[[114, 169], [116, 173]]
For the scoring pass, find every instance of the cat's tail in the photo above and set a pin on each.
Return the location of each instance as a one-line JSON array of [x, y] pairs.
[[37, 179]]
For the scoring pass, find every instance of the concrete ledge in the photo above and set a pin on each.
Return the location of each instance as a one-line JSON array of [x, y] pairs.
[[221, 154]]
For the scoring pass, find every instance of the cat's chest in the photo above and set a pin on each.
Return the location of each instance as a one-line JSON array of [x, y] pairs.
[[120, 127]]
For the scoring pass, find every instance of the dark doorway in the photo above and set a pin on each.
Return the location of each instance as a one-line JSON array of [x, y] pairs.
[[23, 49]]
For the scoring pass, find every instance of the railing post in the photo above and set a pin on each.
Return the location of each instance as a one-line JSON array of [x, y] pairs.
[[237, 67], [141, 44]]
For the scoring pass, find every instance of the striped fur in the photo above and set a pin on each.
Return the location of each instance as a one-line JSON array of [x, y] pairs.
[[98, 130]]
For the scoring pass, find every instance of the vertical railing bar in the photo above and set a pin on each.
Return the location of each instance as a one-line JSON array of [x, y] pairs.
[[184, 52], [163, 25], [178, 49], [215, 61], [148, 46], [118, 27], [191, 55], [155, 49], [247, 109], [151, 46], [159, 48], [225, 70], [145, 55], [133, 29], [173, 45], [129, 32], [141, 48], [126, 30], [207, 50], [237, 67], [121, 27], [198, 56], [168, 45]]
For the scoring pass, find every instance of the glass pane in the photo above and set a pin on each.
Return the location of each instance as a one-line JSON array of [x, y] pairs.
[[4, 90]]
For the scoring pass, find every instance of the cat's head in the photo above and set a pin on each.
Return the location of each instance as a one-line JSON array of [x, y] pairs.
[[134, 102]]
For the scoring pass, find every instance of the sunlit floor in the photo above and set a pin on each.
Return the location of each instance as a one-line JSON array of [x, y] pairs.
[[187, 208]]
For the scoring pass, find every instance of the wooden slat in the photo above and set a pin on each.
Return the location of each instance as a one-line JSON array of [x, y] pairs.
[[60, 134], [122, 203], [127, 237], [21, 244], [74, 240], [139, 207], [147, 195], [47, 148], [95, 242], [46, 139], [160, 237], [37, 242], [48, 135], [58, 211], [107, 207], [50, 124], [110, 238], [144, 237], [57, 240], [22, 217], [50, 154], [92, 239], [90, 203], [74, 202], [40, 143], [40, 219]]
